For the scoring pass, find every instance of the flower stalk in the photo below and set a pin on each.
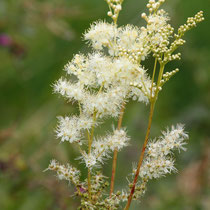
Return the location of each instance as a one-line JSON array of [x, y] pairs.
[[152, 106], [114, 163]]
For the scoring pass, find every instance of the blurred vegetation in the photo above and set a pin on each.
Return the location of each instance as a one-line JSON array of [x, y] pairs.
[[37, 37]]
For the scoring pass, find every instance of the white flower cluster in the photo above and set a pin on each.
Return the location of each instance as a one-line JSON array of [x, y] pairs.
[[113, 201], [158, 160], [70, 128], [111, 75], [127, 41], [98, 38], [71, 91], [68, 172], [102, 147], [158, 32]]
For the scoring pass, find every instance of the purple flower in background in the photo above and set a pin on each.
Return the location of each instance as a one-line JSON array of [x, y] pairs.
[[14, 47], [82, 190], [5, 40]]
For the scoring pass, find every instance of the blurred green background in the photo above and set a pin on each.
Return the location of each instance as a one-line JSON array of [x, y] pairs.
[[37, 38]]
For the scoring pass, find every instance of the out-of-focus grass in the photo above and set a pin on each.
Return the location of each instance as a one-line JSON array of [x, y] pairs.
[[43, 36]]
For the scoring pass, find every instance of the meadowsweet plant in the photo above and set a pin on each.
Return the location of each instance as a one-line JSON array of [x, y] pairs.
[[101, 83]]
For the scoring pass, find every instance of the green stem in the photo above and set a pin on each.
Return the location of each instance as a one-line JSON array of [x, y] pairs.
[[114, 163], [92, 133], [153, 78], [90, 140], [162, 66], [152, 106], [160, 76], [89, 184], [80, 108]]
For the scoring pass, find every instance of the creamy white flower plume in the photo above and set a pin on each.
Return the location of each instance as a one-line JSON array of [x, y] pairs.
[[102, 147], [72, 91], [157, 161], [101, 34], [70, 128], [68, 172]]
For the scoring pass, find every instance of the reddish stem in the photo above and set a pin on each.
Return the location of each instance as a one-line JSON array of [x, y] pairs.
[[114, 163], [141, 156]]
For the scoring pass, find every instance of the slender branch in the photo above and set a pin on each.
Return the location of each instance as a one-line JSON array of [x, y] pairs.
[[90, 140], [153, 78], [92, 133], [114, 163], [141, 156], [89, 184], [160, 76], [80, 108], [152, 106], [145, 89]]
